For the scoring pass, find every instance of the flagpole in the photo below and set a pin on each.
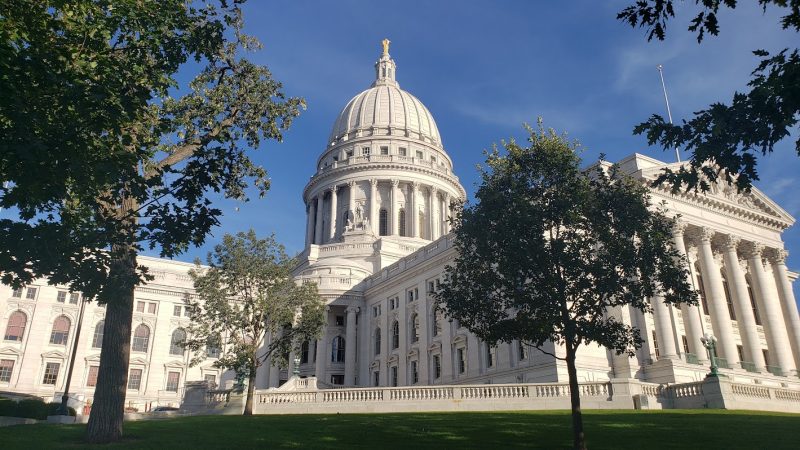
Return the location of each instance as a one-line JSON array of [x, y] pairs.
[[666, 100]]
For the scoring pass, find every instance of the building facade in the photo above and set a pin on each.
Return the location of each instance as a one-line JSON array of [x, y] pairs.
[[377, 242]]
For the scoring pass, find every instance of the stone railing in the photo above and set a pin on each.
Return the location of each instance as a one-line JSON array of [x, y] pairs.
[[387, 159], [687, 390]]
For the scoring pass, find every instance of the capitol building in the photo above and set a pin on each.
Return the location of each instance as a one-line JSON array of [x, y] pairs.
[[377, 241]]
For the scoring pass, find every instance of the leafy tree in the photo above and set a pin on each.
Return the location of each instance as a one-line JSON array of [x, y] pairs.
[[247, 294], [726, 138], [548, 250], [103, 152]]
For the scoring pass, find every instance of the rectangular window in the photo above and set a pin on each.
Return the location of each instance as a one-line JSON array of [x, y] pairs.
[[135, 379], [176, 310], [431, 288], [394, 376], [211, 379], [151, 308], [384, 150], [523, 351], [31, 294], [402, 151], [376, 378], [655, 345], [51, 373], [337, 379], [365, 151], [17, 293], [74, 297], [437, 366], [339, 321], [173, 379], [6, 368], [419, 155], [414, 372], [462, 360], [766, 357], [491, 356], [140, 307], [685, 344], [740, 351], [433, 159], [348, 154], [61, 297], [91, 378]]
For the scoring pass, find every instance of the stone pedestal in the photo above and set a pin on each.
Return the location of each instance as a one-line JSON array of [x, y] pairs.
[[661, 371]]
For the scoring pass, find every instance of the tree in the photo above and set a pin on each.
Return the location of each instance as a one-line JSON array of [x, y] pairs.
[[549, 250], [725, 139], [245, 295], [103, 152]]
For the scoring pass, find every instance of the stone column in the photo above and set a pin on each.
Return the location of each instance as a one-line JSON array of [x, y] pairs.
[[433, 200], [718, 305], [309, 223], [394, 219], [373, 206], [322, 350], [446, 213], [774, 326], [415, 231], [741, 304], [690, 313], [663, 322], [318, 224], [350, 347], [351, 207], [333, 214], [777, 258]]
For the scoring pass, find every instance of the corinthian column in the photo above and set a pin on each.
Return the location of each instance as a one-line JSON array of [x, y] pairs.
[[309, 223], [446, 213], [394, 219], [350, 347], [741, 304], [778, 260], [432, 201], [373, 206], [718, 305], [414, 210], [664, 333], [318, 224], [351, 207], [322, 349], [774, 326], [690, 313], [333, 214]]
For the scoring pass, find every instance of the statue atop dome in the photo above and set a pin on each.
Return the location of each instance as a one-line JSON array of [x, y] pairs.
[[385, 44]]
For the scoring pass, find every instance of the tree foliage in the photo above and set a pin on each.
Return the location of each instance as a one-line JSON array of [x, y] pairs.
[[549, 250], [725, 139], [246, 295], [103, 152]]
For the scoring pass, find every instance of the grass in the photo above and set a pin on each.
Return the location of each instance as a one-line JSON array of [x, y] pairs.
[[530, 429]]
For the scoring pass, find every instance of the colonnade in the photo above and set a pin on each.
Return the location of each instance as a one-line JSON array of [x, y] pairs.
[[725, 263], [434, 206]]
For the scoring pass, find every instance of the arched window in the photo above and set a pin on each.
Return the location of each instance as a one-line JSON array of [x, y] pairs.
[[213, 346], [97, 338], [395, 335], [728, 299], [752, 300], [377, 341], [60, 331], [176, 344], [414, 327], [304, 353], [383, 223], [437, 321], [141, 338], [337, 350], [401, 220], [15, 329]]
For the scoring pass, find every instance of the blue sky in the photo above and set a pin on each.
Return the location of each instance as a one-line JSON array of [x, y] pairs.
[[483, 68]]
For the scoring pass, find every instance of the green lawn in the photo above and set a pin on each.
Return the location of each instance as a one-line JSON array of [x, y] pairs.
[[547, 429]]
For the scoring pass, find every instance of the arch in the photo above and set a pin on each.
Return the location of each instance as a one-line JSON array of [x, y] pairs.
[[401, 221], [395, 335], [383, 223], [414, 323], [60, 332], [97, 337], [337, 349], [15, 328], [176, 344], [141, 338], [377, 341]]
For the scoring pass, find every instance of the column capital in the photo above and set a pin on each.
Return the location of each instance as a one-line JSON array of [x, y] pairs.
[[333, 189], [373, 182], [352, 309], [415, 185], [351, 184], [434, 190], [753, 250], [702, 235], [730, 242], [679, 227], [777, 255], [395, 182]]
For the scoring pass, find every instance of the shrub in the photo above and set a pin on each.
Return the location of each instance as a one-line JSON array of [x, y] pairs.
[[32, 409], [8, 407], [54, 409]]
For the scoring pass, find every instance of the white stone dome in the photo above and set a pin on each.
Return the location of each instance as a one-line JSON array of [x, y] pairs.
[[385, 109]]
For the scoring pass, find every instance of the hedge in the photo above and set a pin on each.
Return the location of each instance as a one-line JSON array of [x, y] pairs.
[[30, 408]]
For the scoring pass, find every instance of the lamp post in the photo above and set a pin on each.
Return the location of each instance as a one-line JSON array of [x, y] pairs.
[[63, 410], [709, 342]]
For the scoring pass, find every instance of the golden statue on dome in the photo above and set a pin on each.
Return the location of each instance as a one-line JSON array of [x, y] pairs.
[[386, 43]]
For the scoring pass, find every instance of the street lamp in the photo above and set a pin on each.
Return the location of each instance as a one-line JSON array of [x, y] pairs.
[[710, 342]]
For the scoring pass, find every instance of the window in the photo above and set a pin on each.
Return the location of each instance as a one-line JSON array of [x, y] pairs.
[[402, 151], [348, 154], [377, 341], [419, 155], [140, 307], [437, 366], [376, 310], [337, 350], [728, 299], [141, 338], [31, 294], [6, 368], [339, 321], [433, 159], [134, 379], [414, 372], [766, 357], [414, 328], [753, 301], [384, 150], [176, 344], [685, 344], [701, 290], [337, 379], [412, 294], [395, 335], [365, 151], [394, 376], [401, 221], [173, 379], [655, 345], [15, 329], [304, 353], [383, 223], [213, 347], [211, 380], [394, 303], [74, 297], [376, 378], [740, 352], [51, 373], [522, 350], [491, 356], [97, 338], [60, 331], [17, 293], [61, 297], [462, 360], [437, 321], [91, 378], [176, 310], [431, 288], [151, 308]]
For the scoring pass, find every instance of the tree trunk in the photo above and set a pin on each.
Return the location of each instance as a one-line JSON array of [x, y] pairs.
[[251, 390], [578, 439], [108, 407]]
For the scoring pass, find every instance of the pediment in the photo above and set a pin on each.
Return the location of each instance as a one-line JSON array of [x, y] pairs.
[[138, 361], [54, 354], [10, 351], [435, 346], [174, 364], [93, 358]]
